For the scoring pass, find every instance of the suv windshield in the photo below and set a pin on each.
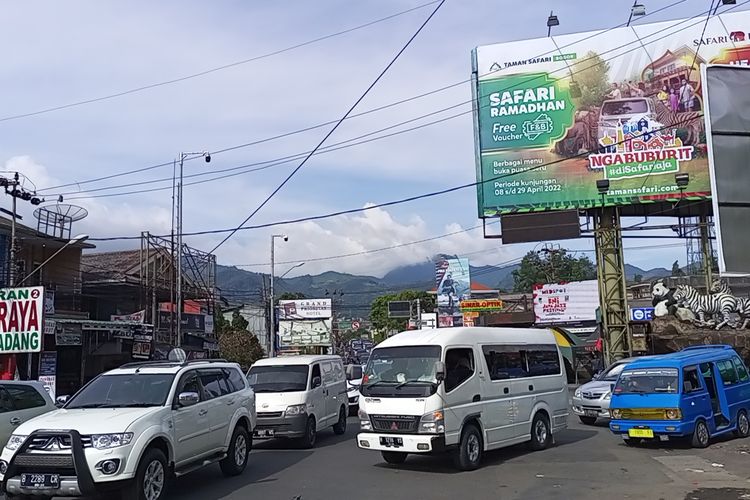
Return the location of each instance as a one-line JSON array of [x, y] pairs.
[[401, 371], [625, 107], [612, 372], [281, 378], [648, 381], [124, 390]]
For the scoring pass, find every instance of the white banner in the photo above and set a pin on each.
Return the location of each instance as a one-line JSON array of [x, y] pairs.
[[305, 309], [139, 317], [570, 302], [21, 319], [305, 333]]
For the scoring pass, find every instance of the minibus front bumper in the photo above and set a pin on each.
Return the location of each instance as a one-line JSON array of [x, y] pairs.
[[651, 429], [405, 443]]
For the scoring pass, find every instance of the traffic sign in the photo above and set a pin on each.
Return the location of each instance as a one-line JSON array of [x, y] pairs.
[[355, 325], [641, 313]]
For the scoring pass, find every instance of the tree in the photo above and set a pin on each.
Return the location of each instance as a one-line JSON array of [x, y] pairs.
[[555, 266], [382, 324], [236, 343], [676, 269], [591, 76], [291, 296]]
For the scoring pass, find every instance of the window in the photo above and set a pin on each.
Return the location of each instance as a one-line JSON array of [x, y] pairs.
[[459, 367], [542, 360], [727, 372], [691, 382], [278, 378], [6, 403], [235, 379], [338, 370], [328, 372], [25, 397], [505, 362], [213, 383], [315, 373], [741, 369]]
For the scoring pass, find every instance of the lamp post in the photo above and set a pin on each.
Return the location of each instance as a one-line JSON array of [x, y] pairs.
[[272, 333], [183, 157], [78, 239], [292, 269], [552, 20], [724, 2], [637, 10]]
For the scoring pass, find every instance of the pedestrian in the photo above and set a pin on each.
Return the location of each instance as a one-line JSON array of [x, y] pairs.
[[615, 93], [687, 96], [674, 100], [663, 96]]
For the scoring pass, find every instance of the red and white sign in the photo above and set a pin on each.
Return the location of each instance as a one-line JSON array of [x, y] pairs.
[[571, 302], [138, 317], [21, 319], [355, 325]]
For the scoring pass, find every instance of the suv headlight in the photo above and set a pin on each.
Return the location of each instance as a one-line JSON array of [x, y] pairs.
[[296, 410], [364, 420], [104, 441], [432, 423], [608, 396], [15, 442]]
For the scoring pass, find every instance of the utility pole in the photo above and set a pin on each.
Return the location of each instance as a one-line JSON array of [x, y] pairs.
[[272, 309], [706, 250], [419, 314], [183, 157]]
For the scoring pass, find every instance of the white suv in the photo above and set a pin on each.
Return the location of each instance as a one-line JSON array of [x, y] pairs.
[[132, 428]]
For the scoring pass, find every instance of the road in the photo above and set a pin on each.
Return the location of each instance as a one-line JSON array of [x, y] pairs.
[[586, 462]]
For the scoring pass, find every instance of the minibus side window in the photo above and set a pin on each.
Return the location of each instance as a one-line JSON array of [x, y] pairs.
[[505, 362], [727, 372], [459, 365], [691, 382], [741, 369]]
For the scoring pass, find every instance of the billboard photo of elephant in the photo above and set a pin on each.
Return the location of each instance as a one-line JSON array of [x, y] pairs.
[[554, 115]]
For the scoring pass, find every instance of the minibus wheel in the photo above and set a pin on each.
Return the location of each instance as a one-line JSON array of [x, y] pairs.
[[743, 425], [541, 436], [469, 453], [701, 436]]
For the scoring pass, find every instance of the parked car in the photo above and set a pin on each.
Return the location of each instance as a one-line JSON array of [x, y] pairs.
[[617, 112], [298, 396], [699, 392], [132, 428], [591, 400], [20, 401], [353, 381], [466, 390]]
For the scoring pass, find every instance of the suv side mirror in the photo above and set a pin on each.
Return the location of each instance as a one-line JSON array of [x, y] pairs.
[[439, 371], [186, 399], [61, 400], [316, 382]]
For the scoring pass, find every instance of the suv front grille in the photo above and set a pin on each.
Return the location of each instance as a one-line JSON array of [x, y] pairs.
[[269, 414], [55, 442], [44, 461], [395, 423], [592, 395]]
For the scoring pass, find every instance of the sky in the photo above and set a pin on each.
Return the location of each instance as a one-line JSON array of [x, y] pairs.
[[64, 52]]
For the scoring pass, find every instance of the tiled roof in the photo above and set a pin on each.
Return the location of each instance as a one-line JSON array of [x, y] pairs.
[[118, 266]]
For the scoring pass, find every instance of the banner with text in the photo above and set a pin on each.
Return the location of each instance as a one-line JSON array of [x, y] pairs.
[[571, 302], [305, 332], [305, 309], [554, 115], [453, 279], [21, 319]]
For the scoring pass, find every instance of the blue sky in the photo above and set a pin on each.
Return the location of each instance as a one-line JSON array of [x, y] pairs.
[[58, 53]]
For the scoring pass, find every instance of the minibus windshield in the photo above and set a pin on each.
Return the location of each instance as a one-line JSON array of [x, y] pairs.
[[648, 381], [407, 371]]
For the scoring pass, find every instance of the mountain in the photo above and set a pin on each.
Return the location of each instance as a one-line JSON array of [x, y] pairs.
[[355, 293]]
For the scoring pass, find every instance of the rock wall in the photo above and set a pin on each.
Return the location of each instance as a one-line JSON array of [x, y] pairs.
[[668, 334]]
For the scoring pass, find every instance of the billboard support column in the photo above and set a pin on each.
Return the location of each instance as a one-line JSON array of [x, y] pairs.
[[612, 287], [706, 251]]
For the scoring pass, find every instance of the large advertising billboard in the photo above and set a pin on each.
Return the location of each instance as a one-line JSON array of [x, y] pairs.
[[305, 333], [305, 309], [554, 115], [571, 302], [453, 279], [21, 319]]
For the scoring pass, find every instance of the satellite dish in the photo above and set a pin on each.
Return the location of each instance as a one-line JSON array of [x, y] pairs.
[[177, 354]]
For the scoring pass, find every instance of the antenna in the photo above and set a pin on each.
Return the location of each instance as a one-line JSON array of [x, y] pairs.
[[57, 220]]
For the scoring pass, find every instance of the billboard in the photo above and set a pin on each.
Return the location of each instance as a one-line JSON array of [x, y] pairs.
[[554, 115], [304, 309], [21, 319], [570, 302], [728, 147], [305, 333], [453, 279]]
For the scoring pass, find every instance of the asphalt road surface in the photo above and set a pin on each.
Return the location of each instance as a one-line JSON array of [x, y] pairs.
[[586, 462]]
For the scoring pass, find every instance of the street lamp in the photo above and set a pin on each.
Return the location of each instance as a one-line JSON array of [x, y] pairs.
[[183, 156], [552, 20], [78, 239], [272, 333], [724, 2], [292, 269], [637, 10]]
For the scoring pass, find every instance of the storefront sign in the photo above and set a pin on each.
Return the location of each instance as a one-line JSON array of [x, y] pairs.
[[68, 334], [641, 313], [49, 326], [48, 363], [141, 350], [21, 319], [138, 317], [481, 305], [190, 322], [49, 382], [49, 302]]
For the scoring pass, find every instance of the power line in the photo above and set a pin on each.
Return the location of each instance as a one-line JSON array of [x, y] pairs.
[[333, 129], [306, 129], [215, 69]]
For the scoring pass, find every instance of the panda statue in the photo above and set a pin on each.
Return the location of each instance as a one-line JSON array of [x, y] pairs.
[[663, 299]]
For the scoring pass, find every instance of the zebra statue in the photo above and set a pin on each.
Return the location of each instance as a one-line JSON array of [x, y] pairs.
[[743, 303], [720, 304], [720, 286]]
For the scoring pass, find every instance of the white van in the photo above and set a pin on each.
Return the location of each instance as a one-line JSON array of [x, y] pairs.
[[297, 396], [467, 390]]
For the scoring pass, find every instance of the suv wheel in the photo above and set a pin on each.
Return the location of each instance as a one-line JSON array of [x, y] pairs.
[[237, 454], [469, 453], [311, 434], [340, 427], [151, 477]]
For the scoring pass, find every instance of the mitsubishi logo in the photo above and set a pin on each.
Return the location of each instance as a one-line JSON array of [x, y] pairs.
[[394, 427], [53, 444]]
